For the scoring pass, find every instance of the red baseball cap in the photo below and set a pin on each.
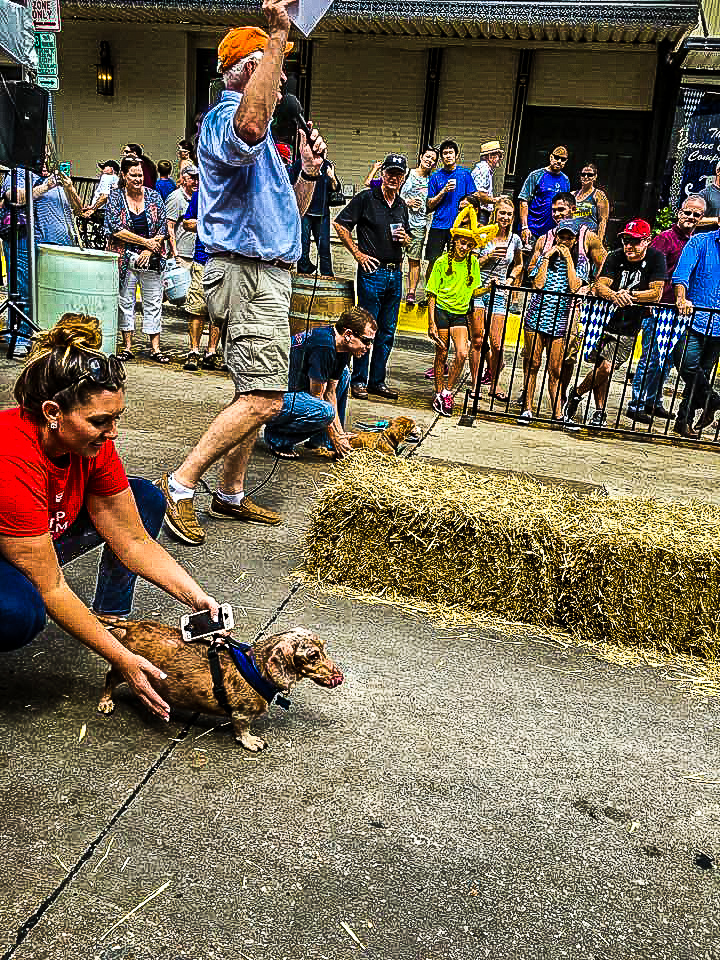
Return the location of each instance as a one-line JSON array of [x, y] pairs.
[[639, 229]]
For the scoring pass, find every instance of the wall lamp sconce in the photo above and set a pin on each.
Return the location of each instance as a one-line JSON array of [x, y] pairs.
[[105, 75]]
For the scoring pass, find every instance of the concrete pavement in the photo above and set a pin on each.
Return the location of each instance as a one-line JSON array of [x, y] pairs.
[[464, 794]]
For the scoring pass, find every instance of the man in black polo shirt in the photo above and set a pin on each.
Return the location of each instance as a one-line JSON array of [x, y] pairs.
[[383, 232]]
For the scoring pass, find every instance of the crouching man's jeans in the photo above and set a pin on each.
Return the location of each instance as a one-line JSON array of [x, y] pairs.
[[22, 611], [304, 417]]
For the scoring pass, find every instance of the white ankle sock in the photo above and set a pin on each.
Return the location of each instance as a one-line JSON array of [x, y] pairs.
[[177, 491], [235, 498]]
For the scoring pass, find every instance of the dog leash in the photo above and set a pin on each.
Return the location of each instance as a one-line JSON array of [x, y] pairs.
[[244, 660]]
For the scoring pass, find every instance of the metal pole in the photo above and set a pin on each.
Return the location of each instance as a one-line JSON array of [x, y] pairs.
[[30, 217]]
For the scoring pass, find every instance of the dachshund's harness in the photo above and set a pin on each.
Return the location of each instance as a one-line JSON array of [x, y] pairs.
[[244, 660]]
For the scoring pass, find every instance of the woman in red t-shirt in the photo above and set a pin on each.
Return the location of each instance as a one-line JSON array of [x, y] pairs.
[[65, 491]]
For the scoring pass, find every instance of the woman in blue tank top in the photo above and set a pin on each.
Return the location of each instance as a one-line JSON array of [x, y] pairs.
[[593, 207]]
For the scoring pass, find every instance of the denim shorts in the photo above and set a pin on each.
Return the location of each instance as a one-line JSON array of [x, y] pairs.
[[500, 303]]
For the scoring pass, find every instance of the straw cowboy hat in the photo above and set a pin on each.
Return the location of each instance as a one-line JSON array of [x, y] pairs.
[[491, 146]]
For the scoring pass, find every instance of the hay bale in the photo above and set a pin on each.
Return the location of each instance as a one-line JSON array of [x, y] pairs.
[[636, 572]]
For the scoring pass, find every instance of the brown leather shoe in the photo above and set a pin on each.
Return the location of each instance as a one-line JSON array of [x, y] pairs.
[[706, 418], [382, 390], [359, 391], [245, 510], [685, 431]]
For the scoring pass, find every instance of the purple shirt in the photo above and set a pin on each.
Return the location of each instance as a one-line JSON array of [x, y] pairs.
[[670, 243]]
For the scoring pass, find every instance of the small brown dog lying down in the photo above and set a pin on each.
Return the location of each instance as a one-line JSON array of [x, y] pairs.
[[282, 660], [389, 439]]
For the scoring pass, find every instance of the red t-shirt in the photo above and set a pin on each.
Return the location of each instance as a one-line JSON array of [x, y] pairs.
[[37, 495]]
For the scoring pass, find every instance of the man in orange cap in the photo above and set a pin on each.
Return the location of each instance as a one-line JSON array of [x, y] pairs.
[[249, 221]]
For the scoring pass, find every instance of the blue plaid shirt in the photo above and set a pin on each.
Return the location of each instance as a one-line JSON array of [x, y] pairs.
[[698, 270]]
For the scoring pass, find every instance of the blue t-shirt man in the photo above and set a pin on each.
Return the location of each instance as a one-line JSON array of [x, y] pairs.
[[447, 210], [201, 254], [314, 356], [537, 194]]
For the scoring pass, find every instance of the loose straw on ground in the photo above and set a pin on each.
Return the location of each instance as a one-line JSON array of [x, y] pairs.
[[134, 910]]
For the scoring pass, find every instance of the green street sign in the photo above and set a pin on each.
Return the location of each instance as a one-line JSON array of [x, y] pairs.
[[48, 74]]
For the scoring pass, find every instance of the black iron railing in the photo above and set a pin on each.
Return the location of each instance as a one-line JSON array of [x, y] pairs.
[[551, 358]]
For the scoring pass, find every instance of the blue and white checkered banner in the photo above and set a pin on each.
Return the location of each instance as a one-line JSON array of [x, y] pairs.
[[670, 327], [594, 316]]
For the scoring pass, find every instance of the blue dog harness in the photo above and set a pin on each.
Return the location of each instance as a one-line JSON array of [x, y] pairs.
[[244, 660]]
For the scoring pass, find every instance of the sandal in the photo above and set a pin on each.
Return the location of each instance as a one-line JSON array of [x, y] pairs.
[[125, 355], [159, 357]]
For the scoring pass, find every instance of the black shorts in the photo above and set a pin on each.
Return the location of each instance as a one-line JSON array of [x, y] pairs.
[[444, 319], [437, 242]]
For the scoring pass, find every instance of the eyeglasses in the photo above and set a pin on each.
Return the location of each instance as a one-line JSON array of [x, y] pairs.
[[366, 341], [692, 213], [558, 158], [102, 370], [632, 241], [588, 174]]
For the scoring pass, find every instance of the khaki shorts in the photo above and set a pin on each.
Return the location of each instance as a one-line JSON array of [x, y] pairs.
[[616, 349], [195, 300], [250, 300], [413, 250]]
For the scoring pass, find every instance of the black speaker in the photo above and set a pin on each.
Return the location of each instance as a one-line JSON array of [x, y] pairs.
[[23, 124]]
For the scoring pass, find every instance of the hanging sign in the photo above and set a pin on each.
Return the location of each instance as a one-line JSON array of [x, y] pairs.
[[699, 143], [46, 15], [307, 14], [46, 48]]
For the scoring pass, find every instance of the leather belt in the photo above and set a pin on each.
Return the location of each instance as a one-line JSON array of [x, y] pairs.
[[241, 256]]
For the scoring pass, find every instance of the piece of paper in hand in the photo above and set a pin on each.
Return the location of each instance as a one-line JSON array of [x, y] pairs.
[[306, 14]]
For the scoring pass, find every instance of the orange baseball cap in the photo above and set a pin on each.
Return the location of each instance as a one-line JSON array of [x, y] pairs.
[[239, 43]]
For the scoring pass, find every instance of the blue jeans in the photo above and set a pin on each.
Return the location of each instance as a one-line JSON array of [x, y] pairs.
[[304, 417], [319, 228], [695, 368], [380, 294], [22, 611], [650, 376]]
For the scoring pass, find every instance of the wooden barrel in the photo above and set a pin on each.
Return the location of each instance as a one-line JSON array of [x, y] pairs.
[[317, 302]]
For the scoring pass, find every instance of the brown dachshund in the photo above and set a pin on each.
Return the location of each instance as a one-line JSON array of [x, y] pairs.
[[283, 660], [389, 439]]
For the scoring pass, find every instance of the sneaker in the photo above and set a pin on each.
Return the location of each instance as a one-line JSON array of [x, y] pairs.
[[437, 404], [192, 361], [486, 377], [245, 510], [598, 419], [525, 418], [180, 516], [571, 406], [211, 361], [410, 299], [447, 404]]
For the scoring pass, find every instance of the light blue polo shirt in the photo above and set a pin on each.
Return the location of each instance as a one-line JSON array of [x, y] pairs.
[[246, 203]]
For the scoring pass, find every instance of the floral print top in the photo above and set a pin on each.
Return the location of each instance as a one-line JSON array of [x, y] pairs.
[[117, 218]]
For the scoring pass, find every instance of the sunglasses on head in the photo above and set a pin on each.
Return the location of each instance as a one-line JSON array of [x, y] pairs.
[[103, 370]]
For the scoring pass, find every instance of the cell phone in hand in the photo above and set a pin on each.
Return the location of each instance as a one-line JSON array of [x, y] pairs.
[[65, 167], [194, 626]]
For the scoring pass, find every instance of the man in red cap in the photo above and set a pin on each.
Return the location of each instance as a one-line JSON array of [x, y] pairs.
[[249, 221], [631, 278]]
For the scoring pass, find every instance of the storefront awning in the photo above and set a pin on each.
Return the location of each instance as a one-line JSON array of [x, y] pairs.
[[626, 21]]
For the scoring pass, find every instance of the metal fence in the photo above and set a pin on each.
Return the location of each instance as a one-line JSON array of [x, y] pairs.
[[541, 347]]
